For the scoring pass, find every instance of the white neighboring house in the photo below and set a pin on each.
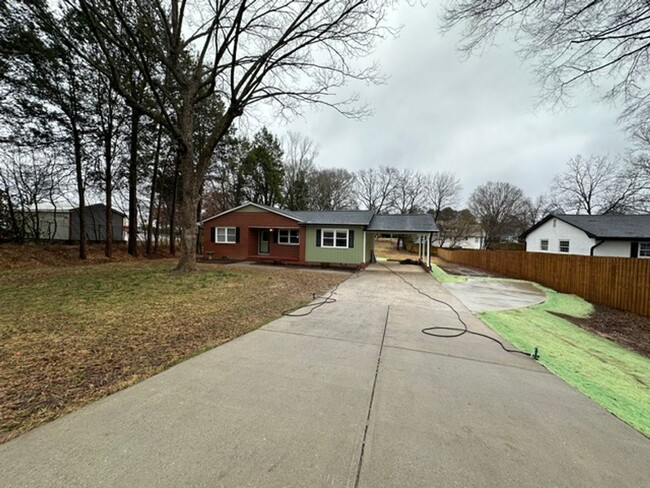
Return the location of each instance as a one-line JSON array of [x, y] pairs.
[[475, 239], [626, 236]]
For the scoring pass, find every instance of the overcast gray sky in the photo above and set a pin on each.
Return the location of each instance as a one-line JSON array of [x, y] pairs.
[[475, 117]]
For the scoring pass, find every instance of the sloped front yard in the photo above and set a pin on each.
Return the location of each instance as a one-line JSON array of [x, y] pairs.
[[72, 335]]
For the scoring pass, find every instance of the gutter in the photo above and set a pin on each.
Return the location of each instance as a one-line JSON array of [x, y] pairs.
[[591, 251]]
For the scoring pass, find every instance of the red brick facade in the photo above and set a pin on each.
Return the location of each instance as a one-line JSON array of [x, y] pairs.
[[250, 224]]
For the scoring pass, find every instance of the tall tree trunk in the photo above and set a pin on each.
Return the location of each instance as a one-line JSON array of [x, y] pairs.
[[192, 181], [83, 242], [108, 183], [152, 196], [156, 236], [172, 217], [133, 183], [199, 206], [189, 203]]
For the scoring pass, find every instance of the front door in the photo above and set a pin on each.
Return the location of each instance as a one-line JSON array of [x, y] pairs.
[[264, 241]]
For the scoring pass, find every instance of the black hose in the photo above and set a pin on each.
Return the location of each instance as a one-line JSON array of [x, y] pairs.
[[313, 306], [456, 331]]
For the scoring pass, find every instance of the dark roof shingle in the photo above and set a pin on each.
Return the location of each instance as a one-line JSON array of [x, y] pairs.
[[613, 227], [403, 223], [342, 217]]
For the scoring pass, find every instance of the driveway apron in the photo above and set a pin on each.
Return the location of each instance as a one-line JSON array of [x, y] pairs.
[[351, 395]]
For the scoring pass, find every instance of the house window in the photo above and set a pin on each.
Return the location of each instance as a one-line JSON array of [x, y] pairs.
[[334, 238], [289, 236], [543, 245], [225, 235], [644, 249], [564, 246]]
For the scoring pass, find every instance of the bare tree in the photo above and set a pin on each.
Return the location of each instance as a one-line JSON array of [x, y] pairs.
[[443, 191], [375, 188], [536, 209], [573, 43], [33, 183], [454, 227], [597, 185], [410, 191], [47, 100], [331, 189], [299, 156], [244, 52], [500, 209]]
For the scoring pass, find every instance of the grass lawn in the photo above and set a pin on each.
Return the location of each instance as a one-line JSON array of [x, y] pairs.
[[616, 378], [70, 335], [442, 277]]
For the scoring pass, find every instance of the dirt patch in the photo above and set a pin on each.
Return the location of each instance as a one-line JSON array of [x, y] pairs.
[[33, 255], [626, 329], [386, 248]]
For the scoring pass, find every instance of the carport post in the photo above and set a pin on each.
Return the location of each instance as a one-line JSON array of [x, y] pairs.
[[420, 247], [429, 250]]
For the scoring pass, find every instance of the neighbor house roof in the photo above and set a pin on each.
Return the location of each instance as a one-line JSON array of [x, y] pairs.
[[610, 227], [403, 223]]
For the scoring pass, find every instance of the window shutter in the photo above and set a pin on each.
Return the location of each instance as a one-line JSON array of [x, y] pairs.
[[634, 250], [275, 235], [351, 239], [237, 234], [213, 236], [318, 237]]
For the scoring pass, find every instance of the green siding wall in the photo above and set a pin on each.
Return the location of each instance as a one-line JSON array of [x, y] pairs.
[[326, 255]]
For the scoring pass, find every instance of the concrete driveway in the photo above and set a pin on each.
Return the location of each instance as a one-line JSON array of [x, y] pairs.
[[484, 295], [351, 395]]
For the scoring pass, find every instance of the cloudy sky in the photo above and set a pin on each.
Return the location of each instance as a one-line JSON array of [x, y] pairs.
[[478, 117]]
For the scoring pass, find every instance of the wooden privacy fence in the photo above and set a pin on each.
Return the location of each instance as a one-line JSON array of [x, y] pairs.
[[618, 282]]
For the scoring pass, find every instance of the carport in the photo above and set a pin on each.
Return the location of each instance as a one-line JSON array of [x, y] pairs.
[[423, 226]]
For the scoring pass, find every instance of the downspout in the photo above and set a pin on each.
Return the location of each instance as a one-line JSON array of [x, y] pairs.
[[591, 251]]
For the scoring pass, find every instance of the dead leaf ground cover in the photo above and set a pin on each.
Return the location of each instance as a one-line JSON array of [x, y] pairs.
[[386, 248], [70, 335]]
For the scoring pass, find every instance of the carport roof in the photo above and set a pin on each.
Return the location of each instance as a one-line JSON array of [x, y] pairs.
[[403, 223]]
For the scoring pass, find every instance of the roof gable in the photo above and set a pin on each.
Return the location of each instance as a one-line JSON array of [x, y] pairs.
[[265, 208]]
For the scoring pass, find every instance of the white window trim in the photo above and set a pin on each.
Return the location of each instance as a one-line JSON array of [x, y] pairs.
[[288, 231], [559, 246], [641, 244], [347, 238], [226, 241], [541, 244]]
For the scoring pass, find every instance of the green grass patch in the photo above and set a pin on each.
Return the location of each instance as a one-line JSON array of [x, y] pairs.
[[443, 277], [612, 376]]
